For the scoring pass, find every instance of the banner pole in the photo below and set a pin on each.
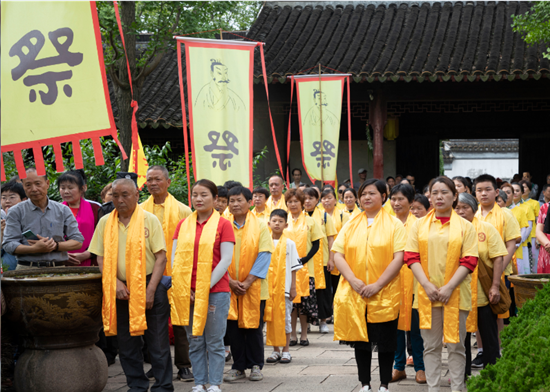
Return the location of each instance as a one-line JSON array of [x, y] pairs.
[[321, 123]]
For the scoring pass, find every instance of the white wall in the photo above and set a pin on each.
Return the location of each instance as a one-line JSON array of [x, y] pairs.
[[361, 158], [500, 168]]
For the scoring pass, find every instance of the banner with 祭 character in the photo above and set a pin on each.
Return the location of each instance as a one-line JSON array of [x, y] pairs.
[[54, 88], [319, 114], [220, 104]]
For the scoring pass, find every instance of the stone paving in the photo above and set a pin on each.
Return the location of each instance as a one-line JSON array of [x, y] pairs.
[[323, 366]]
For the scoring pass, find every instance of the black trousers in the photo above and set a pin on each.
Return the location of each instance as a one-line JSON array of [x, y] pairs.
[[108, 344], [488, 330], [130, 347], [181, 348], [324, 297], [335, 279], [247, 345], [385, 362]]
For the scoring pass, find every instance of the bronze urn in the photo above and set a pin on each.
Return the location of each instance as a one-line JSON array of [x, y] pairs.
[[526, 286], [57, 312]]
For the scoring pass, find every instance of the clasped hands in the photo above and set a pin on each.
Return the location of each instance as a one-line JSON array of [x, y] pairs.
[[441, 294], [365, 290], [239, 288], [43, 244]]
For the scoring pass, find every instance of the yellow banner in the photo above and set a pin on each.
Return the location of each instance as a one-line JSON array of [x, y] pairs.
[[142, 164], [219, 82], [319, 112], [52, 73]]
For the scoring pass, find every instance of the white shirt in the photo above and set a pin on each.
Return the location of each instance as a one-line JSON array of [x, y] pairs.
[[292, 263]]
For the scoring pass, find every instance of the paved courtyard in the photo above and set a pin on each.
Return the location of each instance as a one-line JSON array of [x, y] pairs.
[[322, 366]]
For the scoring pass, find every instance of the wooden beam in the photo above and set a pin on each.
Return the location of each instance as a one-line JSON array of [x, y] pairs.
[[377, 120]]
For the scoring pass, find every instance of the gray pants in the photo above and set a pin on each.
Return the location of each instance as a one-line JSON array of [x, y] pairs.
[[156, 334]]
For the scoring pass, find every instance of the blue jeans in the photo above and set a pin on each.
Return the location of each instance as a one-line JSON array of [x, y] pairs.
[[9, 260], [417, 346], [208, 368]]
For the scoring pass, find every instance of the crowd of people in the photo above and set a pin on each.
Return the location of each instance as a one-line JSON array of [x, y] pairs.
[[387, 264]]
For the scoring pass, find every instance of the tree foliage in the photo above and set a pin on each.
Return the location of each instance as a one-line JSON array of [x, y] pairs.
[[534, 25], [160, 20]]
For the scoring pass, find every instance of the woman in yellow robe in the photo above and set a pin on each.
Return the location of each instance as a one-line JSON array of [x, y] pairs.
[[442, 252], [306, 233], [369, 254], [401, 198]]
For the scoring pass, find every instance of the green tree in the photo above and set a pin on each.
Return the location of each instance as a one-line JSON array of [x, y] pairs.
[[534, 25], [161, 20]]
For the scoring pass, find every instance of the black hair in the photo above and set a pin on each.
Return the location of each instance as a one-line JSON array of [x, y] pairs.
[[261, 190], [528, 183], [545, 186], [353, 191], [328, 186], [487, 178], [293, 170], [380, 186], [231, 184], [280, 213], [222, 191], [327, 192], [311, 192], [464, 181], [15, 187], [76, 177], [240, 190], [399, 175], [388, 177], [422, 200], [207, 184], [405, 189]]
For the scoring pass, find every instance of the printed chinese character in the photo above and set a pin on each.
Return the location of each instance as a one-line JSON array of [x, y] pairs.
[[28, 48], [223, 158], [327, 153]]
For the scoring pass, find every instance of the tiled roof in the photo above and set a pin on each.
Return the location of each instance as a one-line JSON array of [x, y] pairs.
[[458, 145], [397, 41], [375, 41]]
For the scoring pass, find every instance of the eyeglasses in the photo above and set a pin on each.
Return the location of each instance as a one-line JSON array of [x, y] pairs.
[[340, 191]]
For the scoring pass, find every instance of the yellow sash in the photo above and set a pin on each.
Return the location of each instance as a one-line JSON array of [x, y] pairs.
[[183, 271], [299, 232], [280, 204], [498, 222], [471, 322], [407, 283], [169, 224], [451, 310], [368, 252], [135, 273], [246, 308], [275, 306], [339, 219], [318, 258]]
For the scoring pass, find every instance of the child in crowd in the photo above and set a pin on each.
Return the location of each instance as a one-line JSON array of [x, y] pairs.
[[282, 274]]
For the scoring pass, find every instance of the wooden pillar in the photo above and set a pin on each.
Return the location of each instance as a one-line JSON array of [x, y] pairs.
[[377, 120]]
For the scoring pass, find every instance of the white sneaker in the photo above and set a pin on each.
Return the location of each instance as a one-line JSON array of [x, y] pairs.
[[214, 388], [366, 388], [383, 389], [198, 388], [323, 328]]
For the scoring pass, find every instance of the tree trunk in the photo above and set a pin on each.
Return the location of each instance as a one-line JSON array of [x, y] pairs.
[[122, 93]]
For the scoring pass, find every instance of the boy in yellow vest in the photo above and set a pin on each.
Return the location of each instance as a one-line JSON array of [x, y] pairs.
[[247, 273], [282, 281]]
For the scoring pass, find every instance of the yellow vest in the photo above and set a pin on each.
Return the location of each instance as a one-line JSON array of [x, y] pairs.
[[275, 306]]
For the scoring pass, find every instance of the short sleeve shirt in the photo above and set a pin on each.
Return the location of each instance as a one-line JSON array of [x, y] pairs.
[[183, 211], [224, 233], [315, 233], [154, 243], [490, 245], [438, 241]]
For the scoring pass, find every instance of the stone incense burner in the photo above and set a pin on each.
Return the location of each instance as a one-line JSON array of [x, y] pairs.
[[57, 313]]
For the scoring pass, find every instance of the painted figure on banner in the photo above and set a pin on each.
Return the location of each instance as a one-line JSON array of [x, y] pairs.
[[230, 145], [216, 95], [313, 115], [28, 48]]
